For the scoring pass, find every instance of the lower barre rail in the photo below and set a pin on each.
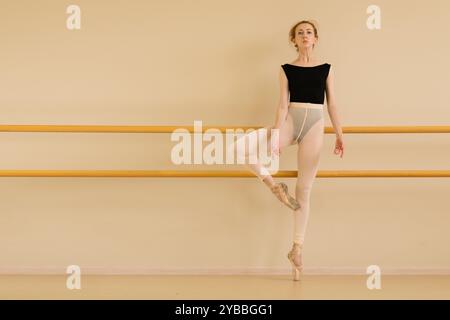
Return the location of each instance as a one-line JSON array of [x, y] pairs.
[[223, 173]]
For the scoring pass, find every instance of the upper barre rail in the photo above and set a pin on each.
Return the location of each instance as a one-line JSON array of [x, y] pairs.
[[170, 129]]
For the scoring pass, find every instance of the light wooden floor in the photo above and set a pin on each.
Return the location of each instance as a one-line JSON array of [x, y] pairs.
[[224, 287]]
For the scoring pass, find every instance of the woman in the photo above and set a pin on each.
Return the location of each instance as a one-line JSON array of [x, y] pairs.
[[299, 120]]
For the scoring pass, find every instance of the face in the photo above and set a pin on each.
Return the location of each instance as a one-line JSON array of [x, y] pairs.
[[304, 36]]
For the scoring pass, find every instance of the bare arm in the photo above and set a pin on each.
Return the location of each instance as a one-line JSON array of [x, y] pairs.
[[331, 103], [283, 102]]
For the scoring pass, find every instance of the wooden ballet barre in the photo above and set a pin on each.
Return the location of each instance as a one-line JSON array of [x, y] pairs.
[[170, 129], [223, 173]]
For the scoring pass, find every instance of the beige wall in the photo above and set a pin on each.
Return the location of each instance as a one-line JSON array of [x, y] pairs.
[[172, 62]]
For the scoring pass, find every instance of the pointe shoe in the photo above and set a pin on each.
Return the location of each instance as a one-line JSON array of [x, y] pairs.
[[295, 257], [281, 191]]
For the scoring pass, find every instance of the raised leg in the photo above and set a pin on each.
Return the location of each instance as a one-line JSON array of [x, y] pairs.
[[250, 151], [247, 151]]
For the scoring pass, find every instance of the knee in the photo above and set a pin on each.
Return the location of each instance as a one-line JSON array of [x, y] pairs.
[[303, 191]]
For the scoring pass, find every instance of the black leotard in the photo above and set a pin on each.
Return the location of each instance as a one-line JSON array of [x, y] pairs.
[[307, 84]]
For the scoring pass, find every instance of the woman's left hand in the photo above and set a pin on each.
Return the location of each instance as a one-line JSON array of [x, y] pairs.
[[339, 147]]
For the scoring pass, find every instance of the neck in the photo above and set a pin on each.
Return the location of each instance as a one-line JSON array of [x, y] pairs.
[[305, 55]]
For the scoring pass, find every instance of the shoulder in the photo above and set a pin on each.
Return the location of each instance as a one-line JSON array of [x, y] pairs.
[[284, 68], [327, 66], [329, 72]]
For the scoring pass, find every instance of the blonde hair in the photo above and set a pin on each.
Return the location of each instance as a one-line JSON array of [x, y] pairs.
[[292, 31]]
